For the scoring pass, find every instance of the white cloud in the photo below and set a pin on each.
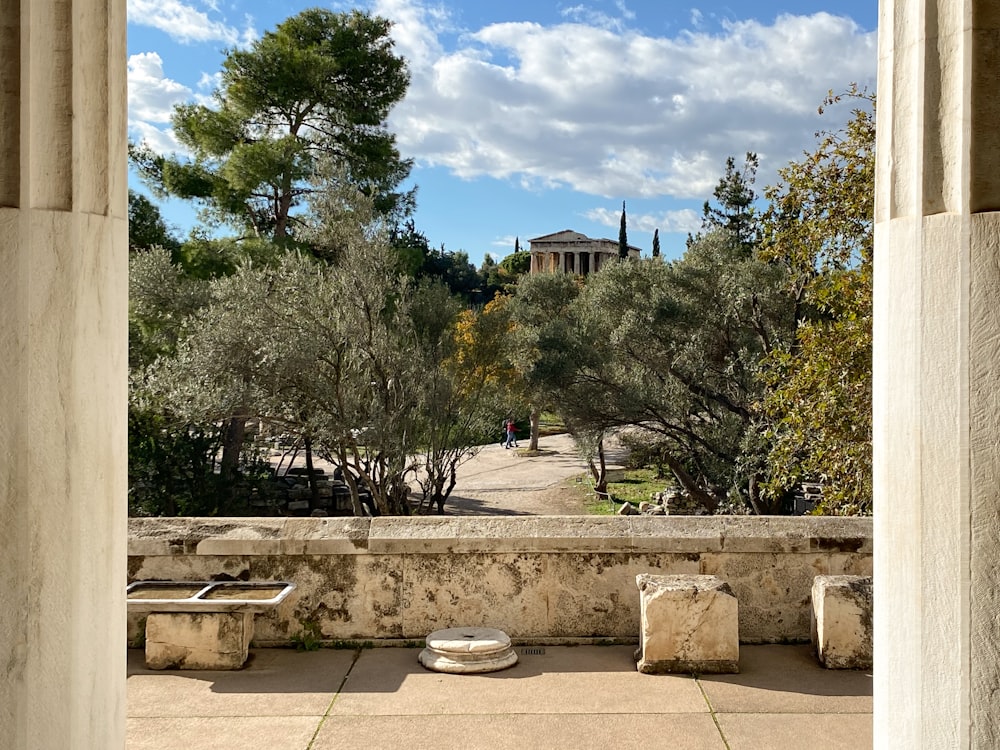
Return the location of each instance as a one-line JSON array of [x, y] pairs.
[[415, 30], [583, 15], [182, 21], [160, 141], [151, 95], [682, 221], [507, 243], [623, 9], [209, 82], [249, 35], [613, 112], [151, 100]]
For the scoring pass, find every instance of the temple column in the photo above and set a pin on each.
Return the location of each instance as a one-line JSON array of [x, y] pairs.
[[63, 366], [937, 376]]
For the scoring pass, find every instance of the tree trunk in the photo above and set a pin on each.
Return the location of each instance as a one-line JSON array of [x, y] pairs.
[[600, 472], [707, 499], [313, 487], [441, 494], [351, 483], [232, 444], [534, 419]]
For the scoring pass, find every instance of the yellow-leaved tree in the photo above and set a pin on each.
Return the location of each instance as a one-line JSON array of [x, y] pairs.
[[817, 405]]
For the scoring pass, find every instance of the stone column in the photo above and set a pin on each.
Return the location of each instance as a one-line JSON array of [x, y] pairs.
[[937, 376], [63, 370]]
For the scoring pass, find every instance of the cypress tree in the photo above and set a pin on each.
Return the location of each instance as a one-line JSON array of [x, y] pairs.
[[656, 242], [623, 237]]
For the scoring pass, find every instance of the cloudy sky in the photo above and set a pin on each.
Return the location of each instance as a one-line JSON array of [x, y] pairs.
[[527, 117]]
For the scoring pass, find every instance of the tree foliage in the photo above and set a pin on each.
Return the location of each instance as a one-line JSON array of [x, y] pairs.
[[669, 347], [365, 366], [320, 85], [819, 228], [161, 297], [463, 389], [734, 209], [146, 227], [307, 349]]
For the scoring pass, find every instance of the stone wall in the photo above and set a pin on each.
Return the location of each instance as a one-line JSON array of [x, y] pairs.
[[539, 578]]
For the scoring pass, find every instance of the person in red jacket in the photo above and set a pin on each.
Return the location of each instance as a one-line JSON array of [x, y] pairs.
[[511, 433]]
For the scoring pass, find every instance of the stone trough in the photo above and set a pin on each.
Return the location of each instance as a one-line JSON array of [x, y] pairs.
[[202, 624]]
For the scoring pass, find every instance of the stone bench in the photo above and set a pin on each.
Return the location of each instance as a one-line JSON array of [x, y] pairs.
[[688, 624], [842, 621], [201, 624]]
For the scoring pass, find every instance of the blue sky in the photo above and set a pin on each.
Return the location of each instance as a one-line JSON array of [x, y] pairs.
[[528, 117]]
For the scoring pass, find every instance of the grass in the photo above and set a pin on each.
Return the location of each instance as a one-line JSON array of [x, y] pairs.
[[550, 424], [639, 484], [637, 487]]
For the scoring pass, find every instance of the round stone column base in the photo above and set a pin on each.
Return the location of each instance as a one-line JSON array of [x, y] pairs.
[[468, 651]]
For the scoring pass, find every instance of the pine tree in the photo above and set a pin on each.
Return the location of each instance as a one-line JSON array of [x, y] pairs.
[[735, 198], [656, 242], [623, 237]]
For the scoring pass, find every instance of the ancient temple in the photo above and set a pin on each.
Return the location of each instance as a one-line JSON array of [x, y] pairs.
[[573, 252]]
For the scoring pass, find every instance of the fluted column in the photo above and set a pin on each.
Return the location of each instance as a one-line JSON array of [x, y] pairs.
[[937, 376], [63, 369]]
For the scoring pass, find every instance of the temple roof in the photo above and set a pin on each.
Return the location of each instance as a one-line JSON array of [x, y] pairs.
[[570, 236], [566, 235]]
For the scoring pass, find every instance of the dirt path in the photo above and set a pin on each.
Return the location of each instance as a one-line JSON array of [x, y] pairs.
[[501, 482], [510, 483], [563, 499]]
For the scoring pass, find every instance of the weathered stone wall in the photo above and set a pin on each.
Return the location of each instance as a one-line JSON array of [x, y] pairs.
[[539, 578]]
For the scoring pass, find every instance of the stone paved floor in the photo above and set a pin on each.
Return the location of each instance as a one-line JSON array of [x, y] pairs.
[[574, 697]]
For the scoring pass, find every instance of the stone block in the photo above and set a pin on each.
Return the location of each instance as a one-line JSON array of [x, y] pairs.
[[210, 640], [688, 624], [842, 621]]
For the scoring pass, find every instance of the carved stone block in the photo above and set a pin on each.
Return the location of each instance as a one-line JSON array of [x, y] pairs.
[[842, 621], [209, 640], [688, 624]]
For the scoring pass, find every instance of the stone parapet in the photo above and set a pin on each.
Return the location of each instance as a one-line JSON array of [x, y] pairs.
[[538, 578], [435, 535]]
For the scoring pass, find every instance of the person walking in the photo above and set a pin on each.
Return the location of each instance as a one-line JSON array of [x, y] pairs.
[[511, 433]]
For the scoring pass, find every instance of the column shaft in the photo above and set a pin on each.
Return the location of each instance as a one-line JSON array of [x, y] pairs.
[[63, 363], [937, 376]]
